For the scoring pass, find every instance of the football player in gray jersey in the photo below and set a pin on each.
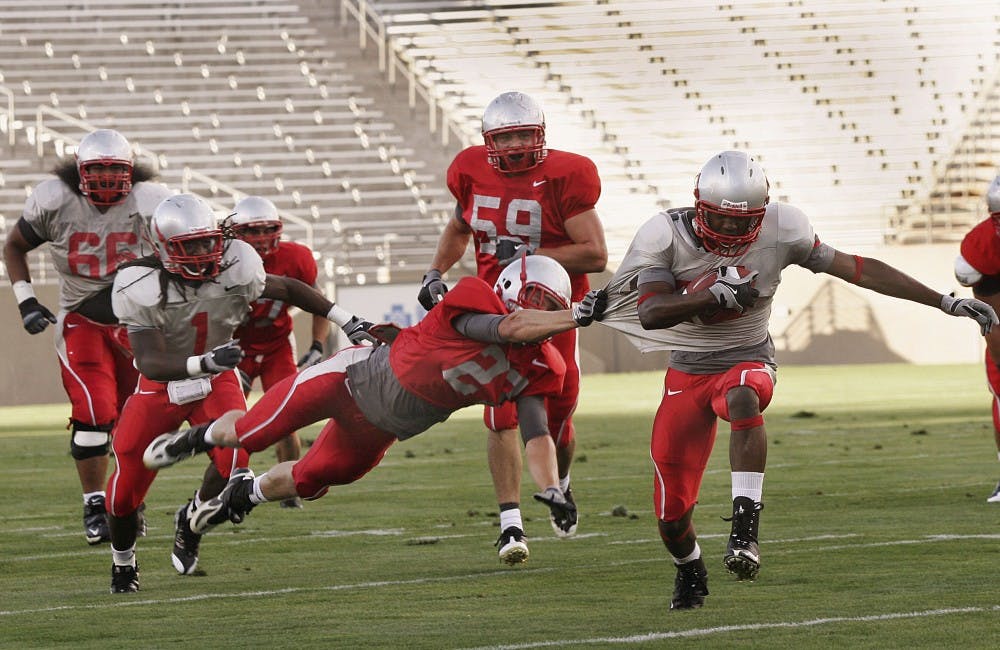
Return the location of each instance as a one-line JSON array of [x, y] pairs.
[[180, 308], [721, 355], [92, 216]]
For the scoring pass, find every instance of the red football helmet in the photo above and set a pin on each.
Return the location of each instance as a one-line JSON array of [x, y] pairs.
[[97, 152], [255, 220], [731, 184], [508, 113]]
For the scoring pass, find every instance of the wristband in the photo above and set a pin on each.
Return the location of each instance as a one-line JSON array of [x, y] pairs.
[[339, 315], [23, 291], [194, 367]]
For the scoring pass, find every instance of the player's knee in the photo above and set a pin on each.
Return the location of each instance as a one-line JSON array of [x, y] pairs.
[[89, 440], [742, 402]]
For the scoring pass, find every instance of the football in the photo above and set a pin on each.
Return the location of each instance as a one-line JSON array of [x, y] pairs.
[[715, 314]]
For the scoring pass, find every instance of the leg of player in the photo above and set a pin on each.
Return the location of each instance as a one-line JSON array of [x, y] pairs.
[[691, 582], [747, 459], [995, 497], [503, 449], [89, 446], [170, 448], [541, 454], [285, 450]]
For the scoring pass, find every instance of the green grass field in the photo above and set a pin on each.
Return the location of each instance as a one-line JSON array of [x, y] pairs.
[[876, 534]]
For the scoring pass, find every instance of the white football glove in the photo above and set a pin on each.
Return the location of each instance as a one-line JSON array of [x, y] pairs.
[[733, 292], [977, 310]]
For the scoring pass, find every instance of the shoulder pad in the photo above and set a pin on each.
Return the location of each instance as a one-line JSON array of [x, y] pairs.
[[135, 286], [148, 195], [242, 265], [51, 194]]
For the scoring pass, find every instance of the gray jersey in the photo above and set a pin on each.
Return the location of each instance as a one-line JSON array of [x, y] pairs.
[[665, 249], [384, 401], [196, 317], [87, 246]]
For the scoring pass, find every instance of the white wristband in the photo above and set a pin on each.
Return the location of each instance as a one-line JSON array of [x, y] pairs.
[[23, 291], [339, 316], [194, 367]]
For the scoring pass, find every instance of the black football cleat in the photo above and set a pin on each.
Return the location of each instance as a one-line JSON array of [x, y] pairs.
[[124, 579], [742, 552], [95, 521], [186, 543], [511, 546], [232, 504], [170, 448], [690, 585]]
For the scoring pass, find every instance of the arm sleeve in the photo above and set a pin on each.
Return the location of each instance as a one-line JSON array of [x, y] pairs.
[[29, 233], [531, 416], [484, 328]]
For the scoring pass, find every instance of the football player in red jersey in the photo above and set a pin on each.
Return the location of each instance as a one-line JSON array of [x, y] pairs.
[[266, 334], [478, 346], [180, 308], [727, 370], [516, 196], [92, 214], [978, 266]]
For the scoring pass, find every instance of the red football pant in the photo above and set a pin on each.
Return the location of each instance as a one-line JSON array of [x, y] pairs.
[[271, 365], [684, 430], [96, 365], [559, 409], [149, 413], [349, 445]]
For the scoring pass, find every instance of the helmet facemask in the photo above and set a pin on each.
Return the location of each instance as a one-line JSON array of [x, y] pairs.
[[726, 245], [515, 159], [196, 256], [262, 235]]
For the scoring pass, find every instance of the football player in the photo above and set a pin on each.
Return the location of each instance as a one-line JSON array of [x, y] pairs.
[[514, 196], [180, 308], [978, 266], [727, 370], [477, 346], [266, 334], [93, 215]]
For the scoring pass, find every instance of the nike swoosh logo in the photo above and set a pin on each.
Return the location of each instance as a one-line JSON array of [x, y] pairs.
[[536, 362], [71, 325], [235, 286], [147, 392], [537, 183], [674, 392]]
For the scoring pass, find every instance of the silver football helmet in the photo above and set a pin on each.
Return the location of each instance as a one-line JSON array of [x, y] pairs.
[[187, 237], [507, 113], [98, 151], [993, 198], [731, 184], [534, 282], [255, 220]]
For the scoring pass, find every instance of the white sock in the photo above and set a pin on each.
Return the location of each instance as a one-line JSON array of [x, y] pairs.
[[691, 557], [748, 484], [256, 496], [124, 558], [510, 518], [564, 482], [88, 495]]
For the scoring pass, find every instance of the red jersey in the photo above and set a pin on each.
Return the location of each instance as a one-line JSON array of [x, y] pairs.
[[981, 248], [530, 207], [433, 361], [268, 320]]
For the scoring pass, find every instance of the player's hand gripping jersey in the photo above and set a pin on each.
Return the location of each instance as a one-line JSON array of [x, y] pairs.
[[87, 246], [195, 316], [530, 207], [665, 249]]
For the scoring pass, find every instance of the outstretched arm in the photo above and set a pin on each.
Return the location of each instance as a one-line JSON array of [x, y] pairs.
[[878, 276], [298, 293]]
